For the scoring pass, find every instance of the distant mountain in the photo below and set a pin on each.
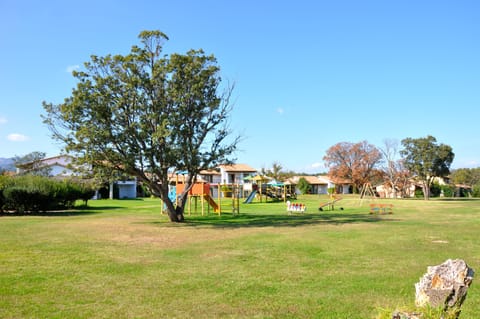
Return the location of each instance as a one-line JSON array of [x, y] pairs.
[[7, 164]]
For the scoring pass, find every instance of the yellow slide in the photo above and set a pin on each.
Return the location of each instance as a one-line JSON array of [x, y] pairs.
[[212, 203]]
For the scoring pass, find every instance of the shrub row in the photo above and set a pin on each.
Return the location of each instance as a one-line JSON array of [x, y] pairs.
[[36, 193]]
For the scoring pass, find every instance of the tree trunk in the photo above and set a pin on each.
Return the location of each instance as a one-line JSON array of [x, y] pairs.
[[179, 214], [174, 213], [426, 191], [394, 189]]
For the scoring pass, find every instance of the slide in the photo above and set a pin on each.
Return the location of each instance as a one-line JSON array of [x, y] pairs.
[[212, 203], [250, 197]]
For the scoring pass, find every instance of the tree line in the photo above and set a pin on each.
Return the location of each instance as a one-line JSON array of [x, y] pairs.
[[396, 165], [418, 160]]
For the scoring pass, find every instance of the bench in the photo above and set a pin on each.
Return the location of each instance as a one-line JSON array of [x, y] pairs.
[[381, 208]]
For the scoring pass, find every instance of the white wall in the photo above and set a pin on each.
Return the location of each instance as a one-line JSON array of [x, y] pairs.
[[57, 170], [127, 189]]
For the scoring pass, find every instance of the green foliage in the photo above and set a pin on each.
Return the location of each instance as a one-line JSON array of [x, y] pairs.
[[304, 186], [5, 182], [466, 176], [419, 193], [144, 191], [30, 193], [87, 191], [476, 190], [448, 190], [331, 190], [435, 189]]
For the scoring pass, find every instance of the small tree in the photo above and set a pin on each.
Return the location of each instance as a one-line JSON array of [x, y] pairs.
[[395, 174], [427, 160], [304, 186], [276, 170], [147, 114]]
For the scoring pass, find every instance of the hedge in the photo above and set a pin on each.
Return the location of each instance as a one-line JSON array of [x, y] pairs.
[[36, 193]]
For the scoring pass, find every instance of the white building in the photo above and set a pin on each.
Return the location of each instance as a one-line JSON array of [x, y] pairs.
[[235, 173]]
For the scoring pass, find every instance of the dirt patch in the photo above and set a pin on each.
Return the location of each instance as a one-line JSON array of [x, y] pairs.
[[141, 232]]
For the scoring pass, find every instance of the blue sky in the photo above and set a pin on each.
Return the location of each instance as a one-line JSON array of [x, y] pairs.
[[307, 74]]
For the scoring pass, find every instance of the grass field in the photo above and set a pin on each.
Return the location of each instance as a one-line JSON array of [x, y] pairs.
[[123, 259]]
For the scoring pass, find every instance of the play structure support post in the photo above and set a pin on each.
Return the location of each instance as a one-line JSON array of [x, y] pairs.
[[260, 190], [196, 204], [219, 199], [202, 200], [235, 199], [176, 195]]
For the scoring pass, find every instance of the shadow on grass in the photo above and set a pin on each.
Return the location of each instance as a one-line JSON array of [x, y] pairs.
[[79, 211], [275, 220], [457, 199]]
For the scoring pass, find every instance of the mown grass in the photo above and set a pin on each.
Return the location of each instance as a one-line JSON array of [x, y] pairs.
[[123, 259]]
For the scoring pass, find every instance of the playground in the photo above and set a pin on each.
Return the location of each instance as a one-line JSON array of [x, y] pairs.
[[275, 191], [201, 197]]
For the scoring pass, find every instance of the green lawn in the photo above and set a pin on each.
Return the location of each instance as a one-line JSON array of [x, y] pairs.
[[123, 259]]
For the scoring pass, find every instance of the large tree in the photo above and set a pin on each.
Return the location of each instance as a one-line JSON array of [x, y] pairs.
[[427, 160], [353, 161], [148, 114]]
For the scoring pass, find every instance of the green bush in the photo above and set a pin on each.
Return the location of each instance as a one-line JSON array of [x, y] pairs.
[[448, 190], [15, 198], [36, 193], [5, 181], [476, 190], [28, 193], [435, 190], [86, 194], [304, 186], [419, 193]]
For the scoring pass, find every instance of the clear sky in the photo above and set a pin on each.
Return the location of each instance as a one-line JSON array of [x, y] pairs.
[[307, 74]]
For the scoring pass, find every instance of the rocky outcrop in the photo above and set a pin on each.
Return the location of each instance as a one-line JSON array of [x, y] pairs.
[[443, 287]]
